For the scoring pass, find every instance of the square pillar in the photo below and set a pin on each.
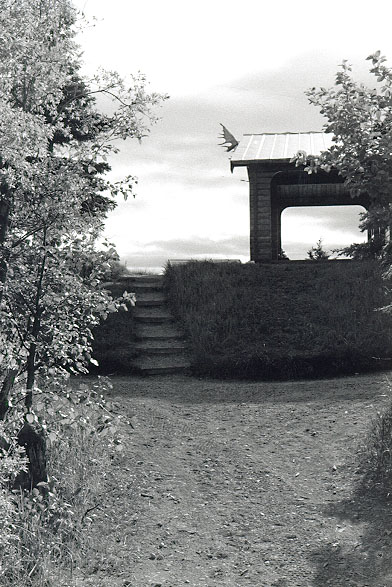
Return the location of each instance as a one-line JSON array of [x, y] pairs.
[[276, 232], [262, 235]]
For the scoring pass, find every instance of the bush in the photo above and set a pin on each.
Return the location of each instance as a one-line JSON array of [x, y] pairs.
[[377, 454], [317, 253], [12, 461], [115, 338], [281, 320], [45, 533]]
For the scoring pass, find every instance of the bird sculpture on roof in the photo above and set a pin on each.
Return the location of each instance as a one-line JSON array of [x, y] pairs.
[[230, 141]]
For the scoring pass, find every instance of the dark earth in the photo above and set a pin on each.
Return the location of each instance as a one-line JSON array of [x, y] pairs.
[[242, 484]]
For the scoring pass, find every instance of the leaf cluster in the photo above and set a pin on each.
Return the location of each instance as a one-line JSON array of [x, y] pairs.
[[55, 186], [360, 120], [318, 253]]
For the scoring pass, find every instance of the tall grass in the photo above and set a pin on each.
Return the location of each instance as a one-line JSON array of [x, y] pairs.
[[376, 454], [281, 320]]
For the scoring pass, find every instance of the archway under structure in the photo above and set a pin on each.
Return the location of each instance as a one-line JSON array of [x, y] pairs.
[[276, 184], [336, 226]]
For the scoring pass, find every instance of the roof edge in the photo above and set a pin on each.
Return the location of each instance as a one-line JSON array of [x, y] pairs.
[[291, 132], [269, 162]]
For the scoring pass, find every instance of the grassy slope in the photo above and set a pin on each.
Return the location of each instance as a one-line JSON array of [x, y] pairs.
[[282, 320]]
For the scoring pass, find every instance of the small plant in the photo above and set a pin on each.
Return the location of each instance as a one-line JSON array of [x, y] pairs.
[[377, 453], [282, 256], [317, 253]]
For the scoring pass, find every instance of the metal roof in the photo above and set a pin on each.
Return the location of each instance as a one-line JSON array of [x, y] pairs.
[[276, 146]]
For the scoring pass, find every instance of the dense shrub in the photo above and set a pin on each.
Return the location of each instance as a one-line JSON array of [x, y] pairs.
[[282, 320], [115, 338]]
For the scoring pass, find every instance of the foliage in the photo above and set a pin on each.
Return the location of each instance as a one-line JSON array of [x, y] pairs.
[[118, 269], [282, 256], [54, 197], [67, 303], [317, 253], [45, 535], [114, 344], [12, 462], [376, 455], [281, 320], [373, 249], [54, 147], [66, 406], [360, 120], [376, 222]]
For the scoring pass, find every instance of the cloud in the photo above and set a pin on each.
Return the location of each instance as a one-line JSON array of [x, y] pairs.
[[155, 254], [338, 218], [185, 184], [336, 226], [184, 144], [196, 246], [219, 68]]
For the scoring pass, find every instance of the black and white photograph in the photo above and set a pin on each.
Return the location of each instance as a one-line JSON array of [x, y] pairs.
[[195, 293]]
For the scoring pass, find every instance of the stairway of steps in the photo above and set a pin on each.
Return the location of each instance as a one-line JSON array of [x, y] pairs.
[[160, 343]]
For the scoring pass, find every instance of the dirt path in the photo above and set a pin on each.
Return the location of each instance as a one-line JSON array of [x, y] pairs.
[[244, 484]]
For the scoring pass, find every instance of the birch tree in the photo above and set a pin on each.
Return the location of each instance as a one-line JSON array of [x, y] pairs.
[[54, 191]]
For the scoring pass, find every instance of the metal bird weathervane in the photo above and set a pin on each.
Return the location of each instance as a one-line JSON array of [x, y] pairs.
[[230, 141]]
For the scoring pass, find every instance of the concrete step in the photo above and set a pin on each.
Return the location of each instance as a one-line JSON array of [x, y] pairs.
[[152, 315], [139, 289], [147, 278], [161, 347], [160, 365], [149, 303], [164, 331], [142, 283], [150, 299]]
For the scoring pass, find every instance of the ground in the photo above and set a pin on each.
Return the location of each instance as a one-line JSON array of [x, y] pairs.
[[243, 484]]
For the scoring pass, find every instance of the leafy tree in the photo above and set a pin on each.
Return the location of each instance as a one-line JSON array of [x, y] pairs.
[[360, 119], [54, 195], [318, 253]]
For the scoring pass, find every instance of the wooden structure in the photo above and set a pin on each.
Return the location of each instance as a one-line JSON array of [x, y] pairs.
[[276, 184]]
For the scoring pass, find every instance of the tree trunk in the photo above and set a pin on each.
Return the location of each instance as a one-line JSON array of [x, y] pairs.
[[32, 438], [8, 383], [10, 374], [4, 221], [30, 374]]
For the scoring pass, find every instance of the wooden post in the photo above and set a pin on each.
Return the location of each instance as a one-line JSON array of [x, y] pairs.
[[276, 232], [261, 233]]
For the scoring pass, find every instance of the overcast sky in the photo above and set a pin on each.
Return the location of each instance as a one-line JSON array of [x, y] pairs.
[[246, 64]]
